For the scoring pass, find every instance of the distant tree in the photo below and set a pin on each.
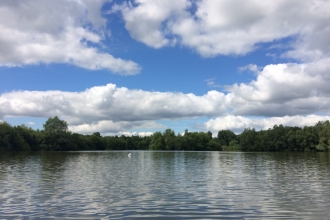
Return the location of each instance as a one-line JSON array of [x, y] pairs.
[[169, 139], [29, 136], [311, 138], [323, 131], [143, 143], [214, 145], [209, 133], [116, 143], [178, 144], [225, 136], [234, 146], [97, 141], [55, 136], [291, 140], [301, 141], [157, 142], [247, 139], [56, 133], [10, 139]]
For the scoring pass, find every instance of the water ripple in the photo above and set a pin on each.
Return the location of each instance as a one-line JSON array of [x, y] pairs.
[[166, 185]]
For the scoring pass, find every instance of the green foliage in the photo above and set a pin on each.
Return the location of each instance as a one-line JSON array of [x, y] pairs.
[[157, 141], [225, 136], [234, 146], [116, 143], [214, 145], [56, 133], [55, 126], [10, 139], [55, 136], [29, 136], [248, 140], [169, 139], [179, 142]]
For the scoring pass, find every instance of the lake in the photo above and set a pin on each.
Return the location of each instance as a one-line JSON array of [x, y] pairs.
[[164, 185]]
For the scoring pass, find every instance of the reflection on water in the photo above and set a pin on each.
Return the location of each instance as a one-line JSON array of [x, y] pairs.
[[180, 185]]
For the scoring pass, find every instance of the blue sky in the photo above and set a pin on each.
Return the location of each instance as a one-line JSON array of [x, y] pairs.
[[135, 67]]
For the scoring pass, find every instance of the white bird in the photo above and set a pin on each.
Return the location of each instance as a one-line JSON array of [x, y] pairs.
[[129, 154]]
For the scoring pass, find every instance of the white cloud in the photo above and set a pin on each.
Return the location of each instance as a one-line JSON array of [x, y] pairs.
[[211, 83], [284, 89], [109, 108], [108, 126], [239, 123], [145, 20], [230, 27], [251, 67], [37, 31], [141, 134]]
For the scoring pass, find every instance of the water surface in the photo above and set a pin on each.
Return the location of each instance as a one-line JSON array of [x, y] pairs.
[[166, 185]]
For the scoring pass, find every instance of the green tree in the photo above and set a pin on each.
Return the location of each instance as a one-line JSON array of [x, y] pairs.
[[116, 143], [157, 142], [29, 136], [323, 130], [10, 139], [179, 144], [225, 136], [97, 141], [143, 143], [234, 146], [276, 138], [169, 139], [214, 145], [56, 132], [248, 139], [300, 140]]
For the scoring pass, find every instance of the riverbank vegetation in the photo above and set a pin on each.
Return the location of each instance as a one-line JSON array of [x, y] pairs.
[[55, 136]]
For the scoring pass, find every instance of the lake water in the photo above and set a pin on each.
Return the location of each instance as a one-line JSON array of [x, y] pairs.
[[164, 185]]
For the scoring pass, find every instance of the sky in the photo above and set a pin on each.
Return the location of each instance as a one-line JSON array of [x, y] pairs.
[[135, 67]]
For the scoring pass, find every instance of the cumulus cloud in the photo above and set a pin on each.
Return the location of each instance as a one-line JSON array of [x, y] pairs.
[[110, 108], [283, 92], [239, 123], [230, 27], [144, 19], [141, 134], [37, 31], [111, 127], [284, 89]]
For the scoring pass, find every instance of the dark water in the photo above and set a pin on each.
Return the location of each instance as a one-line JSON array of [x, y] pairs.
[[164, 185]]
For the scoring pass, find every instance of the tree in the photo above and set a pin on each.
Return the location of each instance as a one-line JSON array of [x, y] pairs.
[[157, 142], [209, 133], [29, 136], [214, 145], [56, 132], [97, 141], [178, 144], [323, 130], [300, 140], [248, 139], [169, 139], [10, 139], [234, 146], [276, 138], [225, 136]]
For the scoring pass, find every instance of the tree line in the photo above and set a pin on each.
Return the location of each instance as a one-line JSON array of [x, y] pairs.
[[55, 136]]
